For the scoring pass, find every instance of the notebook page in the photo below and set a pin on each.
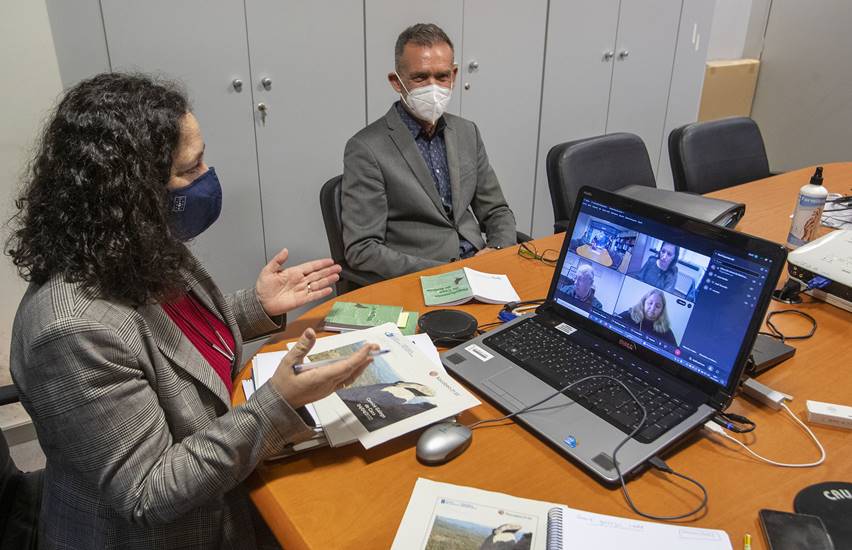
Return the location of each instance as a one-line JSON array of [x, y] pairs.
[[587, 530], [491, 288]]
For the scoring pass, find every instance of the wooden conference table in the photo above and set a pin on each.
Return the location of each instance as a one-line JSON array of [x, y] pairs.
[[352, 498]]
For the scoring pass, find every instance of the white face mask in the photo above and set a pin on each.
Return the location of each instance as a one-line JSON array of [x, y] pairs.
[[427, 103]]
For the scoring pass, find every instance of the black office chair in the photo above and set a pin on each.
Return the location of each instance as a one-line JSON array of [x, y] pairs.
[[20, 493], [350, 279], [607, 162], [708, 156]]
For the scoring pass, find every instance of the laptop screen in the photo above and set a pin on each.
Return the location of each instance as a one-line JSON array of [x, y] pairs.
[[685, 296]]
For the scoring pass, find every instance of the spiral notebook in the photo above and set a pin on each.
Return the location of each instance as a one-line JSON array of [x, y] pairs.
[[442, 515]]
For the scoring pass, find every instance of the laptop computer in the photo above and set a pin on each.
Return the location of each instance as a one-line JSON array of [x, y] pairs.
[[667, 304]]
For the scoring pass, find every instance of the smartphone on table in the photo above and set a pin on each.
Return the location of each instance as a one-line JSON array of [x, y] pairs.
[[789, 531]]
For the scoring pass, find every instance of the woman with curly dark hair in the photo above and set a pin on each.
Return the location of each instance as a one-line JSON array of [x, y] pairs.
[[123, 348]]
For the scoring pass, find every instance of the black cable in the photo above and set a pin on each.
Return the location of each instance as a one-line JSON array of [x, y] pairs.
[[551, 396], [655, 461], [791, 292], [844, 199], [512, 305], [658, 463], [663, 467], [775, 333], [734, 422]]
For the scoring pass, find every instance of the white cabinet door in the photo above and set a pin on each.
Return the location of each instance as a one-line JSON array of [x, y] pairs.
[[384, 20], [644, 54], [500, 89], [577, 76], [687, 78], [203, 44], [312, 53]]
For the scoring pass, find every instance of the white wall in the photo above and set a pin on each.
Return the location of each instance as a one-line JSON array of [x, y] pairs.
[[730, 26], [31, 84]]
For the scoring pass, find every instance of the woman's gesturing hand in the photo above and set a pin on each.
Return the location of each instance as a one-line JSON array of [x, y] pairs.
[[280, 290], [314, 384]]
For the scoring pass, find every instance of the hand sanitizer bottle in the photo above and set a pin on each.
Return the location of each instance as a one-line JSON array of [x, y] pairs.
[[808, 213]]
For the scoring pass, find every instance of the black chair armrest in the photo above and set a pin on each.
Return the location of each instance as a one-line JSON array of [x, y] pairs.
[[560, 226], [8, 395], [281, 320], [360, 278], [522, 237]]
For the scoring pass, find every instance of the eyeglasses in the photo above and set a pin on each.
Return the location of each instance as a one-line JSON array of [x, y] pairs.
[[529, 251]]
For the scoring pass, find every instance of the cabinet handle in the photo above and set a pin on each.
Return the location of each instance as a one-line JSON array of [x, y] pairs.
[[266, 82], [262, 108], [608, 55], [623, 54], [237, 84], [473, 66]]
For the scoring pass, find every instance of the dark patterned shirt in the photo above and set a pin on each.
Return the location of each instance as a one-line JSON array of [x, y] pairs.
[[434, 152]]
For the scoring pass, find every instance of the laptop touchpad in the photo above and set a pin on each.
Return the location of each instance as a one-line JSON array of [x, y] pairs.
[[522, 386]]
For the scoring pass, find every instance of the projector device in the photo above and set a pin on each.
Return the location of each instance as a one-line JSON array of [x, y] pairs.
[[829, 256]]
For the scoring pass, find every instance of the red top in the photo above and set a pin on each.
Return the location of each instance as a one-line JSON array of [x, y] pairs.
[[191, 321]]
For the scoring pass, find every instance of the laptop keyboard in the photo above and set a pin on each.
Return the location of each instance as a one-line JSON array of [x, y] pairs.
[[555, 359]]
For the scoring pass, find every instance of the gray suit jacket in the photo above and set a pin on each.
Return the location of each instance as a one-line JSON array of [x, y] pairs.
[[143, 448], [393, 220]]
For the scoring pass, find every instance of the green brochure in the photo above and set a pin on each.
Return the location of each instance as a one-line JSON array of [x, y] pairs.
[[446, 289], [353, 316], [459, 286]]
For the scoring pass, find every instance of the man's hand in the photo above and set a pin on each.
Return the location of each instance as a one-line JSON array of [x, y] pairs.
[[314, 384], [280, 290]]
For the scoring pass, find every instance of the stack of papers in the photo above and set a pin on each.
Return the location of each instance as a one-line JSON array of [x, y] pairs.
[[401, 391], [355, 315], [837, 212]]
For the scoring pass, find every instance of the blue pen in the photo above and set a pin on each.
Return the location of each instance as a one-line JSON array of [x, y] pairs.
[[302, 367]]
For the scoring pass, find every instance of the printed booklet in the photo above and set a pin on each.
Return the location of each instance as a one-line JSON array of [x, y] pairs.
[[355, 315], [399, 392], [463, 285]]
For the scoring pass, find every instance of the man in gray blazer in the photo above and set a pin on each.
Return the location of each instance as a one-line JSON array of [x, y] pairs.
[[418, 189]]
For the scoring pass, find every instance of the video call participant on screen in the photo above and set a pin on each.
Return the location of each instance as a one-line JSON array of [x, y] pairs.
[[582, 290], [661, 271], [649, 316]]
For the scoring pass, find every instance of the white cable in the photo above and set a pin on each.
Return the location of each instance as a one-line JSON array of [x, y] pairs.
[[719, 430]]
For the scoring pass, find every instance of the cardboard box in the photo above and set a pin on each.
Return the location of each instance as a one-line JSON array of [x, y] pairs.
[[728, 88]]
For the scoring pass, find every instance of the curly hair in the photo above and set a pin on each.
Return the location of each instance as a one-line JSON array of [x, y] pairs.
[[94, 207]]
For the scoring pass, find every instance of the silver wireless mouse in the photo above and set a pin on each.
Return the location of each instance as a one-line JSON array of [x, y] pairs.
[[443, 442]]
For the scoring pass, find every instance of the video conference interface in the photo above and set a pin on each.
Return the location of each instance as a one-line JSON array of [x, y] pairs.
[[672, 292]]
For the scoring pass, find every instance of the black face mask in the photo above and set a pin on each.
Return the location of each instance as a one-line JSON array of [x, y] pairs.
[[195, 207]]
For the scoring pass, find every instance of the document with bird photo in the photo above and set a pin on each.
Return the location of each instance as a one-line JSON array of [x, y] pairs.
[[400, 391], [443, 516]]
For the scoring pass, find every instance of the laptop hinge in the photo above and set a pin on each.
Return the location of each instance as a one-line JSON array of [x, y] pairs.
[[720, 401], [543, 308]]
